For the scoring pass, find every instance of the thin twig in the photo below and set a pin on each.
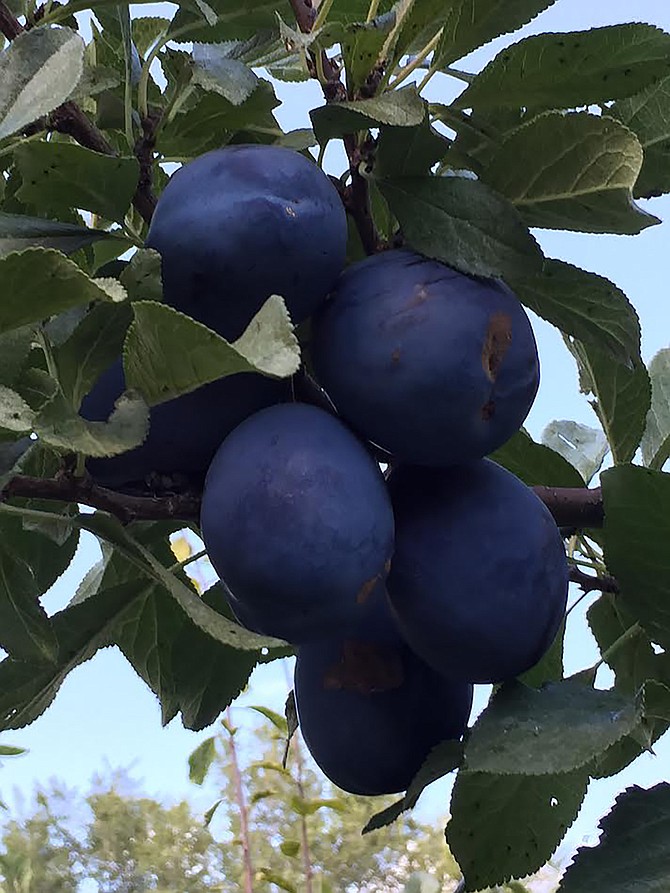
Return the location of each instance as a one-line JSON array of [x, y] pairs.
[[589, 583]]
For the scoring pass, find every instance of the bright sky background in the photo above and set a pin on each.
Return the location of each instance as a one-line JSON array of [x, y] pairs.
[[104, 716]]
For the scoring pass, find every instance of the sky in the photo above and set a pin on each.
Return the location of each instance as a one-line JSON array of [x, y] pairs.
[[104, 715]]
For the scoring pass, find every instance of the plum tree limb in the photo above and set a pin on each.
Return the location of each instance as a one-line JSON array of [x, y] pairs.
[[71, 120], [573, 507]]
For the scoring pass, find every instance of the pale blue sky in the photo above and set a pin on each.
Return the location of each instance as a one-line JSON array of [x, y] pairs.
[[104, 715]]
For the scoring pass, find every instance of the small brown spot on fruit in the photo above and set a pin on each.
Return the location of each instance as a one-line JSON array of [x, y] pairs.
[[366, 589], [496, 344], [366, 668], [488, 410]]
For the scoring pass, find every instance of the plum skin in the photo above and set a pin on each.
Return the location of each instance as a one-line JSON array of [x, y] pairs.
[[369, 709], [479, 578], [297, 521], [241, 223], [184, 433], [432, 365]]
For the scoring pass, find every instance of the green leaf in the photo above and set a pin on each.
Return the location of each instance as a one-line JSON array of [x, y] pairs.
[[536, 464], [216, 70], [361, 47], [26, 688], [25, 630], [272, 877], [442, 759], [213, 121], [636, 536], [7, 750], [471, 23], [399, 108], [572, 69], [58, 425], [307, 807], [65, 175], [550, 666], [277, 720], [91, 348], [12, 456], [15, 413], [584, 305], [142, 277], [290, 848], [648, 115], [201, 759], [409, 151], [210, 621], [523, 731], [40, 282], [146, 30], [622, 397], [463, 223], [18, 232], [38, 71], [634, 850], [235, 21], [578, 173], [167, 354], [633, 660], [655, 442], [582, 446], [485, 834]]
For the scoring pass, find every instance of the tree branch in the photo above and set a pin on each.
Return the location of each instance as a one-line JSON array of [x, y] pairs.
[[590, 583], [70, 120], [183, 507], [305, 14], [573, 506], [570, 506]]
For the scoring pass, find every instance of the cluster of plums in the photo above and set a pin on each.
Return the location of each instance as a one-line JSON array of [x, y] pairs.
[[403, 588]]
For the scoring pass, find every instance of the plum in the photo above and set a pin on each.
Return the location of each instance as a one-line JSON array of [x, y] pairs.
[[184, 433], [369, 709], [432, 365], [297, 521], [479, 578], [241, 223]]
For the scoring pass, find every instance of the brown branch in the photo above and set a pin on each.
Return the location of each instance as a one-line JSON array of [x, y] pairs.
[[241, 806], [182, 507], [590, 583], [305, 14], [573, 506], [69, 119]]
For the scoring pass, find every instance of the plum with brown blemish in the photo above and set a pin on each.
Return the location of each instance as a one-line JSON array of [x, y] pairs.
[[434, 366], [479, 577], [369, 709], [297, 522]]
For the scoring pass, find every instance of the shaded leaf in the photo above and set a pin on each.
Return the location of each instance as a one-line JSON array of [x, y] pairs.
[[216, 69], [409, 151], [399, 108], [535, 463], [634, 850], [462, 223], [18, 232], [636, 536], [578, 173], [508, 826], [648, 116], [523, 731], [442, 759], [584, 305], [66, 175], [40, 282], [573, 69], [622, 396]]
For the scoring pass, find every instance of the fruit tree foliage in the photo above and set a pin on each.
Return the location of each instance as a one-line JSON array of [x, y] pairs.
[[563, 131]]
